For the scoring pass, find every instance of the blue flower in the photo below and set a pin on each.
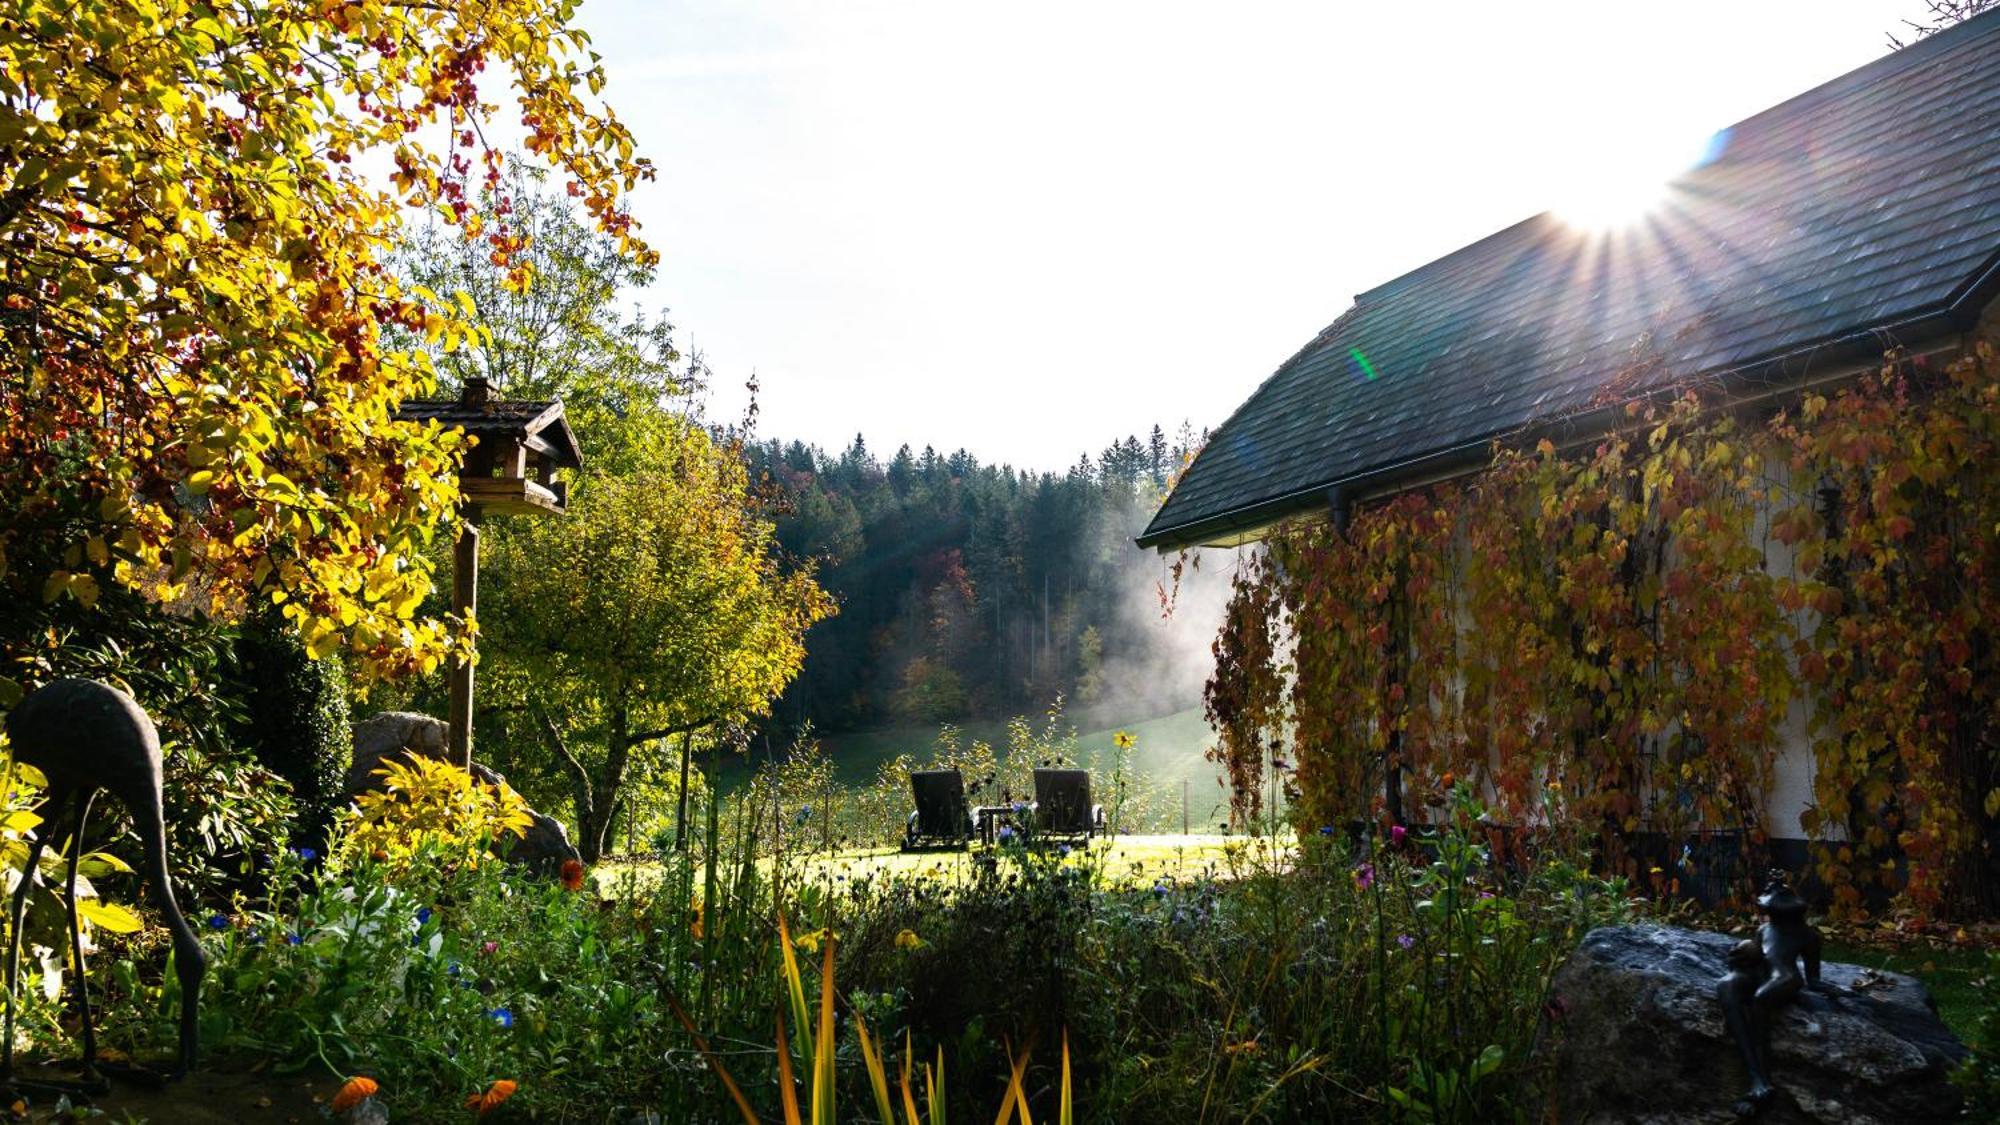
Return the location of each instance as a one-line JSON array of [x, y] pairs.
[[1326, 829], [306, 854], [219, 922], [1020, 806], [1064, 849], [294, 939], [423, 915], [1405, 940], [451, 969], [502, 1016], [1006, 832], [1160, 889]]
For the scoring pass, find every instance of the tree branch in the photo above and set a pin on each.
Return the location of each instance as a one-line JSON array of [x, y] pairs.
[[669, 732], [579, 777]]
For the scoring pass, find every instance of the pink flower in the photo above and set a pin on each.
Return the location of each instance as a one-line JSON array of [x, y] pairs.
[[1364, 876], [1396, 834], [490, 947]]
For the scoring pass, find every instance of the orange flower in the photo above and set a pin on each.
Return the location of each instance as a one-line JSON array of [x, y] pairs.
[[572, 875], [500, 1091], [353, 1092]]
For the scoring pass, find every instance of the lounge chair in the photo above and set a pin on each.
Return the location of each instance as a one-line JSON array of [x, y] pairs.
[[941, 818], [1062, 804]]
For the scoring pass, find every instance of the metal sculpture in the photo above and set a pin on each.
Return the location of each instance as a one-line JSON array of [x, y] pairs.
[[1764, 975], [86, 738]]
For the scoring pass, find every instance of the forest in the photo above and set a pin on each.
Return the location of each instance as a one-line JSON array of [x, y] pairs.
[[977, 590]]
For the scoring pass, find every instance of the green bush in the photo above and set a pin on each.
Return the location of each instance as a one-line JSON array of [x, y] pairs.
[[297, 723], [227, 818], [1400, 979]]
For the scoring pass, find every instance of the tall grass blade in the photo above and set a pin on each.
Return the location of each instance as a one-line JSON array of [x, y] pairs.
[[878, 1075], [909, 1099], [787, 1089], [795, 987], [1016, 1100], [1063, 1112], [709, 1057], [934, 1080], [823, 1080]]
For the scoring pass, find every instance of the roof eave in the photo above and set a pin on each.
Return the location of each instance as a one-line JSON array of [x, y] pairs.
[[1771, 373]]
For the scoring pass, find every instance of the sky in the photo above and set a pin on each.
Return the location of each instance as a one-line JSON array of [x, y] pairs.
[[1027, 229]]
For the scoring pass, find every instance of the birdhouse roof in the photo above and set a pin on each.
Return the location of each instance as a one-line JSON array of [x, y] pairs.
[[540, 425]]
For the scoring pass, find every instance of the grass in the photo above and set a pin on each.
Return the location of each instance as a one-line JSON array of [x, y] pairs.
[[1127, 862], [1948, 973], [1168, 754]]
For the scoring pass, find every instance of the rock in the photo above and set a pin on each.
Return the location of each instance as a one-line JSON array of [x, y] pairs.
[[387, 734], [544, 847], [1640, 1038]]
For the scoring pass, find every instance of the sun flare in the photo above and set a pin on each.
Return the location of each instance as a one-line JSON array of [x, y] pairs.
[[1614, 186]]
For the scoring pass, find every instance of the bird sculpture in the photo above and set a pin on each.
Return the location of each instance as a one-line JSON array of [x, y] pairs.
[[89, 738]]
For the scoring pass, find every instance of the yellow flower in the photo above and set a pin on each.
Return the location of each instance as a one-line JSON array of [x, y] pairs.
[[353, 1092], [1124, 740], [485, 1102], [908, 939], [810, 942]]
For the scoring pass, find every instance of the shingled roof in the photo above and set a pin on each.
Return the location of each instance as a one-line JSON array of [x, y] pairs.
[[1861, 212], [481, 415]]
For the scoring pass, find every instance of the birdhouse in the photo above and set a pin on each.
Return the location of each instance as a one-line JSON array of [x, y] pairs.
[[510, 470], [519, 446]]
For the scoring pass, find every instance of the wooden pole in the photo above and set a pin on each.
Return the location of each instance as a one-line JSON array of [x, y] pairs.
[[464, 601], [681, 815]]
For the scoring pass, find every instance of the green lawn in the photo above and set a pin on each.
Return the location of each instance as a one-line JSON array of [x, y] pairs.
[[1128, 861], [1168, 755], [1948, 973]]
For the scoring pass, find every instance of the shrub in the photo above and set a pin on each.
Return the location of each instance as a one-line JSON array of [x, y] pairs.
[[425, 808], [226, 818], [296, 722]]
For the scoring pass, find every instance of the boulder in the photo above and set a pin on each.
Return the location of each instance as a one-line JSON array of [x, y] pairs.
[[390, 733], [1639, 1037], [544, 847]]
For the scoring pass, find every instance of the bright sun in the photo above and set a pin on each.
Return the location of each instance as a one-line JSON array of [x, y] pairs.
[[1613, 186]]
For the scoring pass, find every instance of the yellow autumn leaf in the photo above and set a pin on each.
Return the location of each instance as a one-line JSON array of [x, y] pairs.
[[98, 864], [20, 820], [108, 915]]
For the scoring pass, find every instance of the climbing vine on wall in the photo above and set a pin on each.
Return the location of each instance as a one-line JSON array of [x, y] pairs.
[[1614, 639]]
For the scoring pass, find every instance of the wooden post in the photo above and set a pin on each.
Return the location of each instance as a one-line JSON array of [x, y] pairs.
[[464, 600]]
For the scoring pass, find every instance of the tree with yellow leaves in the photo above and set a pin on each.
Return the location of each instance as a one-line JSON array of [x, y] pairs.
[[197, 394]]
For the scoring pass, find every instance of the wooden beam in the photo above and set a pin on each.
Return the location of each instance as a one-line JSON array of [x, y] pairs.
[[502, 497], [464, 600]]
